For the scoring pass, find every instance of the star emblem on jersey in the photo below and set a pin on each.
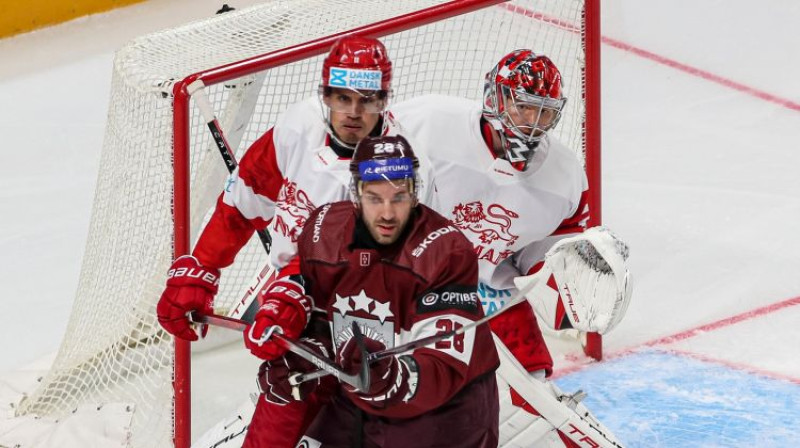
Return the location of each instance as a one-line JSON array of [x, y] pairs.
[[362, 302]]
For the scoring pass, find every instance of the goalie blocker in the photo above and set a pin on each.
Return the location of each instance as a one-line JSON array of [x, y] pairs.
[[588, 283]]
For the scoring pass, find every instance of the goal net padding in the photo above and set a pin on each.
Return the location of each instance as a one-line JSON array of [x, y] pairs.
[[160, 171]]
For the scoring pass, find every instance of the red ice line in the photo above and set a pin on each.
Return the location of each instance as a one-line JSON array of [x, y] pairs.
[[725, 322], [733, 365], [700, 330], [708, 76]]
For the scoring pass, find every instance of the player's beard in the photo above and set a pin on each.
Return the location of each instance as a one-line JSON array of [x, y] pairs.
[[386, 232]]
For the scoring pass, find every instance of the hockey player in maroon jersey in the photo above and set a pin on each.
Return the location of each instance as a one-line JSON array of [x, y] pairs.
[[514, 190], [401, 272], [300, 163]]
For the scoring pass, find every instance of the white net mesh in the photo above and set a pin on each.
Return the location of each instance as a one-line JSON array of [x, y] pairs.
[[114, 350]]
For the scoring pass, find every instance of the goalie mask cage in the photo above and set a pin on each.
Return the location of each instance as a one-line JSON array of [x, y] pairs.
[[160, 171]]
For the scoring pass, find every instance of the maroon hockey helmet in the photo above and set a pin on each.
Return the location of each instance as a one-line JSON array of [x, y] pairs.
[[523, 99], [384, 158], [357, 62]]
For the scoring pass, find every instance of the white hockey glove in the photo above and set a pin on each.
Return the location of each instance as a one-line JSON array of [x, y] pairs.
[[588, 282]]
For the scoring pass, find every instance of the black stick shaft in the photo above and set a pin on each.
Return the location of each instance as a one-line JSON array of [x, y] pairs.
[[230, 163]]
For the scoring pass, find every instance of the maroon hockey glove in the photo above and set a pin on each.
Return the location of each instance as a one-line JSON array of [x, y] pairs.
[[190, 287], [273, 376], [388, 376], [284, 304]]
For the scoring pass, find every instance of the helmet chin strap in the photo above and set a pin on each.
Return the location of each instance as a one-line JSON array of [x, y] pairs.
[[326, 118], [339, 141], [516, 151]]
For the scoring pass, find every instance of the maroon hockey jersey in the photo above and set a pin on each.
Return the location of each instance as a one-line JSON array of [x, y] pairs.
[[424, 284]]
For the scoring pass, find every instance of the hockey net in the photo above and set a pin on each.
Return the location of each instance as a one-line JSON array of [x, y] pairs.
[[254, 63]]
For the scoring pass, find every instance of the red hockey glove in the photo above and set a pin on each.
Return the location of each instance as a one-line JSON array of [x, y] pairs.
[[285, 304], [389, 376], [273, 376], [190, 287]]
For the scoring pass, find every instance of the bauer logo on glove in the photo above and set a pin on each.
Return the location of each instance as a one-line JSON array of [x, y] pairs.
[[285, 307]]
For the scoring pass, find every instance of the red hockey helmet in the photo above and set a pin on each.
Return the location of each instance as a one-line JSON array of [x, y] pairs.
[[359, 63], [384, 158], [523, 100]]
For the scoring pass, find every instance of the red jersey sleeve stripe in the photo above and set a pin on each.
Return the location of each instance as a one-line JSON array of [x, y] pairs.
[[577, 222]]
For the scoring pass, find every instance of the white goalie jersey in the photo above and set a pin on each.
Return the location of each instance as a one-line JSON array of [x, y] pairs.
[[512, 218]]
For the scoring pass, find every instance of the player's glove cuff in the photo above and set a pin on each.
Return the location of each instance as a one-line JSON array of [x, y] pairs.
[[187, 271]]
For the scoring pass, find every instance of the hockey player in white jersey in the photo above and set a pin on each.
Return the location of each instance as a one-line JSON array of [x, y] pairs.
[[514, 191], [300, 163]]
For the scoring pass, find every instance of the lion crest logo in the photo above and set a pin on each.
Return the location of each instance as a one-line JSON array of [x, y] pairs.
[[297, 205], [492, 225]]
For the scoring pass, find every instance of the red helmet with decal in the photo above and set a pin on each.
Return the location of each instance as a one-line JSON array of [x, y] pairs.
[[522, 99], [356, 79], [357, 62]]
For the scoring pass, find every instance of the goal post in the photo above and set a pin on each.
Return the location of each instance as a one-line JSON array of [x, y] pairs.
[[592, 133], [160, 171]]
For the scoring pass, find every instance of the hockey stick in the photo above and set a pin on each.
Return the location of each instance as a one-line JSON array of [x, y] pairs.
[[359, 381], [246, 307], [196, 90], [516, 299]]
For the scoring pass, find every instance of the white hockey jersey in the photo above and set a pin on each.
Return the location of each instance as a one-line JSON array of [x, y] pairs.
[[282, 178], [512, 218]]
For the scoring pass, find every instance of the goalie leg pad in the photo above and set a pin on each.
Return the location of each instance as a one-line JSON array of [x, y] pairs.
[[562, 421]]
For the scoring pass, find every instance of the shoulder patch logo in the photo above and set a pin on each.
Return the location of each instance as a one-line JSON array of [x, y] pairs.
[[318, 223], [451, 297]]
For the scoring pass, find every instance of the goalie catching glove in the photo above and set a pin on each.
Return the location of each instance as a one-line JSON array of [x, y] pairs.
[[285, 305], [190, 287], [588, 282]]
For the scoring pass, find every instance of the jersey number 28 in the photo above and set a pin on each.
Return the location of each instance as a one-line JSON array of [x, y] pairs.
[[457, 342]]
